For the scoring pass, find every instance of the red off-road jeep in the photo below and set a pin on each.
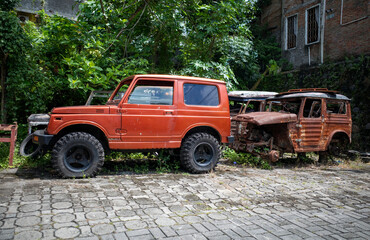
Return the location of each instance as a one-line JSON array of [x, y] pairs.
[[144, 112]]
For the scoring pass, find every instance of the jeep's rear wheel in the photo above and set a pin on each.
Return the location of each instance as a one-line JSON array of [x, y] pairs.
[[78, 154], [200, 152]]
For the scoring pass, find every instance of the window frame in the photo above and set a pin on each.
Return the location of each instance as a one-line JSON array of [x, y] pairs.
[[318, 25], [286, 31], [152, 85]]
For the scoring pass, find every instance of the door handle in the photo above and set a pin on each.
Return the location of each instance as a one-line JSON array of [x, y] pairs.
[[168, 112]]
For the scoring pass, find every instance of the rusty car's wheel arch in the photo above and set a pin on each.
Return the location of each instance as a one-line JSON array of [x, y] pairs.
[[338, 132]]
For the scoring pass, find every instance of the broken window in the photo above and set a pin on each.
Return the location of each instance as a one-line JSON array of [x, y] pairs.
[[312, 108], [312, 25], [292, 29], [335, 107]]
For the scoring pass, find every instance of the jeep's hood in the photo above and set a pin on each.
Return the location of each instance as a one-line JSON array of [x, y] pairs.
[[265, 118], [100, 109]]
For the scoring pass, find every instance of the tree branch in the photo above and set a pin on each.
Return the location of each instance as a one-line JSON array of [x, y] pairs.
[[142, 7], [105, 16]]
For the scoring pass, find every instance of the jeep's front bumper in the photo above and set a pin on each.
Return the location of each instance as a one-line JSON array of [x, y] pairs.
[[39, 137]]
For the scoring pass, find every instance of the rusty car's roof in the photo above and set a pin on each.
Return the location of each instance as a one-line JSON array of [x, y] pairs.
[[310, 94], [244, 96]]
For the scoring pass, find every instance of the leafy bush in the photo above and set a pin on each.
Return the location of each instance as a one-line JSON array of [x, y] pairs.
[[245, 159]]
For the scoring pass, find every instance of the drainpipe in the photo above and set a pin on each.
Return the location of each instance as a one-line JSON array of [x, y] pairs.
[[322, 31], [282, 27], [309, 56]]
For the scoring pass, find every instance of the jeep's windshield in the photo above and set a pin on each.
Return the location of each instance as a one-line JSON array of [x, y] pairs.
[[119, 93], [284, 105]]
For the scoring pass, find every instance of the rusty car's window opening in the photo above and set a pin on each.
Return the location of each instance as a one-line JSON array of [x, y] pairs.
[[152, 93], [285, 106], [312, 108], [336, 107], [201, 95]]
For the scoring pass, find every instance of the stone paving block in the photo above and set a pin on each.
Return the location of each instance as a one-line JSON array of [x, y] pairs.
[[290, 237], [6, 234], [142, 237], [137, 232], [157, 233], [107, 237], [232, 234], [87, 238], [209, 226]]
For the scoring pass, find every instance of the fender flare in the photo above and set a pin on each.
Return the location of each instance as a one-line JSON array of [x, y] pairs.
[[334, 133]]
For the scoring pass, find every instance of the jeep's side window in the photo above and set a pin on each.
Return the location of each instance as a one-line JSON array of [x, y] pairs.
[[335, 107], [201, 95], [312, 108], [152, 93]]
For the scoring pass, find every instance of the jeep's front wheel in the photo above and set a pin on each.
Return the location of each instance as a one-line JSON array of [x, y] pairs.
[[78, 154], [200, 152]]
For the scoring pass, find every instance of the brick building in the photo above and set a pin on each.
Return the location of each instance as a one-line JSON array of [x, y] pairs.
[[312, 31]]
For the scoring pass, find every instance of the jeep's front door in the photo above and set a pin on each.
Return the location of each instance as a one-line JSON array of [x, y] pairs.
[[310, 124], [149, 115]]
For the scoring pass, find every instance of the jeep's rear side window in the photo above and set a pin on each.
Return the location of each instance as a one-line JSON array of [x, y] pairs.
[[201, 95], [152, 93], [335, 107]]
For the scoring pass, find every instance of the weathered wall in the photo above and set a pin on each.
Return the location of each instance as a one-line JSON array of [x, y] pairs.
[[352, 37], [66, 8], [347, 37]]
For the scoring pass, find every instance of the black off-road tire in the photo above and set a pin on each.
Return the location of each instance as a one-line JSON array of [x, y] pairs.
[[78, 154], [28, 148], [200, 153]]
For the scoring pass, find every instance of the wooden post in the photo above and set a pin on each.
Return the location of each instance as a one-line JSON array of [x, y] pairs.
[[12, 138]]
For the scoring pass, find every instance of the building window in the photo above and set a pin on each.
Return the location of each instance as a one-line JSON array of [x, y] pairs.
[[292, 30], [312, 25]]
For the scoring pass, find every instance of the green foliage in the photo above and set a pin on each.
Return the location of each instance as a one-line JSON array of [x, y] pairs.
[[160, 162], [7, 5], [245, 159], [61, 60]]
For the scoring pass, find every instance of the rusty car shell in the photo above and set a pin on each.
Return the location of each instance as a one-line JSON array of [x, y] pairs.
[[322, 118], [248, 101]]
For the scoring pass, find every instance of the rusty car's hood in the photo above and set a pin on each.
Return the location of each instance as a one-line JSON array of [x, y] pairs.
[[265, 118], [81, 110]]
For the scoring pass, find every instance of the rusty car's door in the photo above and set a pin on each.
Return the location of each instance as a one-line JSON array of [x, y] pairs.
[[311, 126]]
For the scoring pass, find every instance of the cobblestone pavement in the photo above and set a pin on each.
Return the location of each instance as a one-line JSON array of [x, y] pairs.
[[228, 204]]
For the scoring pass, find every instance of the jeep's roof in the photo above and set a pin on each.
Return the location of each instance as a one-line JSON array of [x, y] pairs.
[[174, 77], [310, 92]]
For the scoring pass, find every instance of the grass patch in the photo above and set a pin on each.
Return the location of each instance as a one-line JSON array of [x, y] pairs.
[[244, 159]]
